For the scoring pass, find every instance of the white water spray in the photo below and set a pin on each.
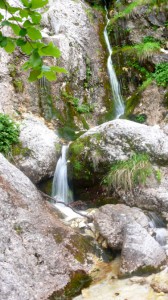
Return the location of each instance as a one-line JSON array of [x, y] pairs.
[[158, 226], [118, 101], [60, 188]]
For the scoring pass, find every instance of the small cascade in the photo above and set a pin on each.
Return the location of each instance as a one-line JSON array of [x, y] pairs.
[[159, 228], [118, 101], [60, 188]]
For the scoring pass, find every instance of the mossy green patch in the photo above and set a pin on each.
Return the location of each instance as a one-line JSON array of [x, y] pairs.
[[18, 229], [19, 150], [79, 280], [16, 78], [46, 186]]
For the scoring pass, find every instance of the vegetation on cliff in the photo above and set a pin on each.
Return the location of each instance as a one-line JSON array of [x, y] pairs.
[[9, 133]]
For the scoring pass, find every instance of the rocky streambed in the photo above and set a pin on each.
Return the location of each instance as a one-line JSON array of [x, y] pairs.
[[44, 256]]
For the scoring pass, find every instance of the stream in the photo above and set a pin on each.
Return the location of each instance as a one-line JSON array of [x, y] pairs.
[[115, 86], [106, 283]]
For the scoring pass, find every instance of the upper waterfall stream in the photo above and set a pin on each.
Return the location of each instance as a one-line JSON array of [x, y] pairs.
[[118, 101]]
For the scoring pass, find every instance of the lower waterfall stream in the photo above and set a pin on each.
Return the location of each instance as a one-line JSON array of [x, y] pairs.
[[60, 187]]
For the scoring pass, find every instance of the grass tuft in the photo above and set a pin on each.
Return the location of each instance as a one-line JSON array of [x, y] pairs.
[[127, 174]]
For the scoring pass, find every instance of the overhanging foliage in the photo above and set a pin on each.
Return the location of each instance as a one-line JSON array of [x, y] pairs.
[[24, 19]]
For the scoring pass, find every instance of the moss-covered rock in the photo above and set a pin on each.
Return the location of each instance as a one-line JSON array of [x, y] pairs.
[[78, 281], [85, 157]]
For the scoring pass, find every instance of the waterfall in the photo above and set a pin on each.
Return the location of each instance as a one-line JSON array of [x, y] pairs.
[[60, 188], [118, 101], [159, 228]]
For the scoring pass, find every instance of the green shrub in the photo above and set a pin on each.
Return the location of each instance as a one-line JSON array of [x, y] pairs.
[[141, 118], [81, 109], [127, 174], [161, 74], [146, 49], [9, 133]]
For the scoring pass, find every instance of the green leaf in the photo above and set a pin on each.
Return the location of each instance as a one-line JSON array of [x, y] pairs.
[[15, 28], [26, 3], [50, 50], [3, 4], [1, 36], [58, 69], [23, 32], [34, 75], [10, 47], [35, 16], [35, 60], [5, 23], [34, 33], [1, 17], [12, 9], [27, 23], [20, 42], [50, 75], [45, 68], [3, 41], [24, 13], [27, 48], [38, 4], [18, 19], [26, 66]]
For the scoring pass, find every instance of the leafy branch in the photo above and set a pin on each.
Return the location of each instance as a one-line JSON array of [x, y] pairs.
[[24, 20]]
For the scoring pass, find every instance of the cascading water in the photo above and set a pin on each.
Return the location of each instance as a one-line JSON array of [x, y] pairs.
[[118, 101], [60, 188], [159, 228]]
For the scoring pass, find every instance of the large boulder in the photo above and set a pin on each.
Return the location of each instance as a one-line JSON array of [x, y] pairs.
[[38, 256], [127, 229], [40, 149], [140, 251], [95, 152]]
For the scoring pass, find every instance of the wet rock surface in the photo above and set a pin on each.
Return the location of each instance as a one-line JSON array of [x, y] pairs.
[[127, 229], [43, 149], [34, 259]]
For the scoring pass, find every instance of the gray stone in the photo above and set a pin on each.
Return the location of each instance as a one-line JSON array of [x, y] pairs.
[[127, 229], [140, 251], [43, 149], [110, 222], [118, 140], [34, 258]]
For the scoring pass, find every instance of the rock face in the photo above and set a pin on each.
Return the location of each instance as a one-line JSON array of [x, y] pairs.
[[141, 25], [126, 229], [43, 148], [34, 259], [101, 147], [74, 27], [151, 102]]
